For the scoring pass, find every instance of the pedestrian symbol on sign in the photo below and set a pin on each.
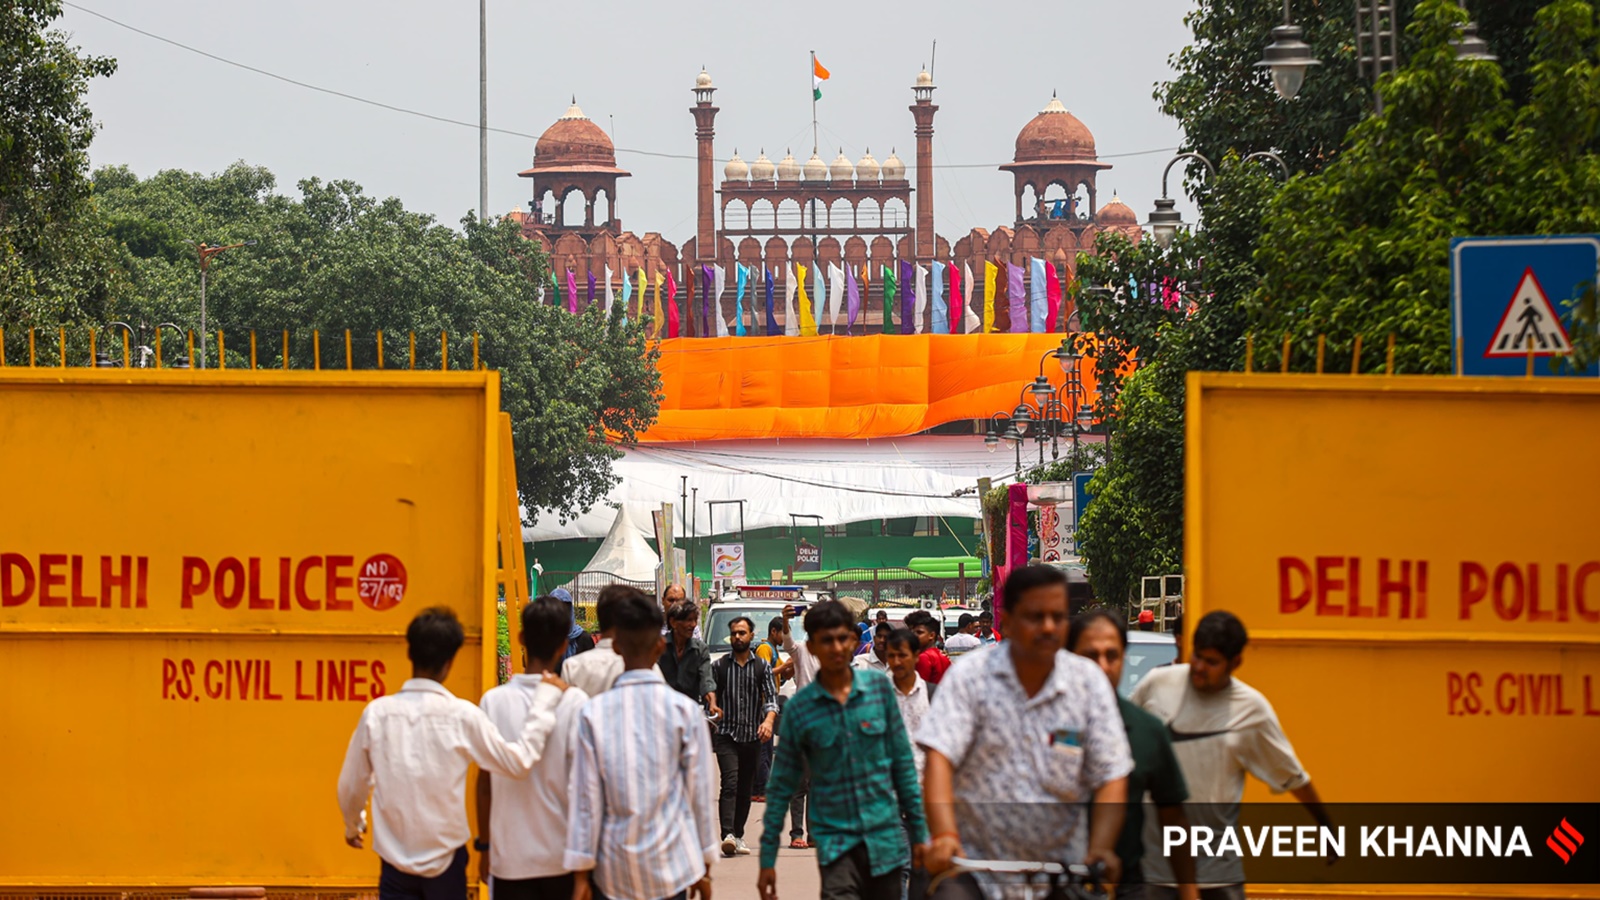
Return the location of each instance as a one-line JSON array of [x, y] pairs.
[[1529, 317]]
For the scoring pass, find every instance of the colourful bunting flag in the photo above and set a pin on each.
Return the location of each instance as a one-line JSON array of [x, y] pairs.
[[1052, 296], [660, 318], [888, 300], [741, 277], [922, 299], [772, 314], [808, 322], [1038, 302], [720, 284], [791, 324], [941, 310], [835, 294], [627, 291], [990, 276], [1019, 300], [908, 289], [853, 298], [673, 322], [970, 323], [572, 293]]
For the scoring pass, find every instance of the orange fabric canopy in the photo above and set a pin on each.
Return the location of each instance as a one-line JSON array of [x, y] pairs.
[[844, 387]]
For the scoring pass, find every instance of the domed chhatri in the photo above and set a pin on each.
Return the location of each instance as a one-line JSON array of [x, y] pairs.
[[762, 169], [815, 170], [924, 79], [1116, 213], [893, 168], [788, 169], [867, 169], [703, 80], [736, 169], [840, 170], [576, 144], [1055, 135]]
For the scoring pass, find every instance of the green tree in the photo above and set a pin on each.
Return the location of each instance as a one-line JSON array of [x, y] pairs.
[[55, 265], [1362, 248], [1226, 103], [1356, 244], [335, 258]]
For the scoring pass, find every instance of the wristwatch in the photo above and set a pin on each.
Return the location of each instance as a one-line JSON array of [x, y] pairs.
[[480, 845]]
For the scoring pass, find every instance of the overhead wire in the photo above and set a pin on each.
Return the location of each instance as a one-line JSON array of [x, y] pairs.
[[446, 120]]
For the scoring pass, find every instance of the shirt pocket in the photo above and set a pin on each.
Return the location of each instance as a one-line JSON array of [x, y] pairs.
[[1063, 771]]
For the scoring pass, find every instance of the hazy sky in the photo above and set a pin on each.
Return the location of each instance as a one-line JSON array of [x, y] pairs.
[[632, 66]]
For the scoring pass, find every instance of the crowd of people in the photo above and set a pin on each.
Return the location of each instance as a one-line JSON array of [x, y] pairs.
[[624, 771]]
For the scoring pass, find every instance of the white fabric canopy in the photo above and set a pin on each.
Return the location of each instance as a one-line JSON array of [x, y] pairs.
[[840, 481], [624, 552]]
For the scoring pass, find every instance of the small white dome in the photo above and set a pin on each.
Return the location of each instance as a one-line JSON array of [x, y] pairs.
[[840, 169], [573, 112], [1054, 106], [893, 168], [761, 169], [815, 170], [703, 80], [924, 79], [867, 168], [788, 169], [736, 169]]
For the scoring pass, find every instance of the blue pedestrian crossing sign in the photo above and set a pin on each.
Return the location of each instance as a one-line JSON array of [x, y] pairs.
[[1508, 295]]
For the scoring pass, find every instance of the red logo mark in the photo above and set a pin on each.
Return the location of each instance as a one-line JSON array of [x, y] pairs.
[[1565, 841], [382, 581]]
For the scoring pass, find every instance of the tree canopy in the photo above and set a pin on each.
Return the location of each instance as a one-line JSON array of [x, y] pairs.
[[1355, 244], [334, 258], [55, 263]]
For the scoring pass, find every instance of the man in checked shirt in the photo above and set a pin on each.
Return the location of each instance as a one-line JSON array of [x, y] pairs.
[[846, 727], [749, 704]]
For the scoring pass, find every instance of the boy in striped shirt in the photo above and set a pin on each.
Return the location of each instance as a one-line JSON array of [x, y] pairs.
[[643, 816]]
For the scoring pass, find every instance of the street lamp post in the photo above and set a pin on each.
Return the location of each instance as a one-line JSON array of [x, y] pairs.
[[1006, 432], [206, 253], [1377, 52], [1166, 220], [1288, 57]]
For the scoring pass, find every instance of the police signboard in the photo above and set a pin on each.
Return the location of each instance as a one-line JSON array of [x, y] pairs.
[[1509, 292]]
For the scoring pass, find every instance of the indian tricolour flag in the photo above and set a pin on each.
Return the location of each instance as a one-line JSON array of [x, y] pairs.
[[818, 76]]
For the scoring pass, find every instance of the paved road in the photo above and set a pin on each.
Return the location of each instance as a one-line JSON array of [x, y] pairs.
[[735, 878]]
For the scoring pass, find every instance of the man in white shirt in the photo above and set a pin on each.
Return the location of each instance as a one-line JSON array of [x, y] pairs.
[[516, 816], [595, 671], [966, 636], [411, 750], [642, 823], [1221, 728], [910, 691], [874, 660]]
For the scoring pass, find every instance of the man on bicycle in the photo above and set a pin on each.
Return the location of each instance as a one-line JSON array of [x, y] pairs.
[[1020, 737]]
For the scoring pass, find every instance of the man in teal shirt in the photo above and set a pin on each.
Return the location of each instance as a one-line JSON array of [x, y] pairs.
[[845, 729]]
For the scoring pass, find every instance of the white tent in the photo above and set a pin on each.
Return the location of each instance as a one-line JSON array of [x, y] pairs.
[[624, 553]]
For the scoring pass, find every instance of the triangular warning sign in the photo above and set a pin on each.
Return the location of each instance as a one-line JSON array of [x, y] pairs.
[[1529, 316]]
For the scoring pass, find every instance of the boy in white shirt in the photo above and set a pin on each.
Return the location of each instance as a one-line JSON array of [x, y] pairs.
[[516, 817], [411, 750]]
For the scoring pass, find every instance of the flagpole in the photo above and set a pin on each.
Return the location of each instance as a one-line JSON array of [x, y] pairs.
[[813, 74]]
